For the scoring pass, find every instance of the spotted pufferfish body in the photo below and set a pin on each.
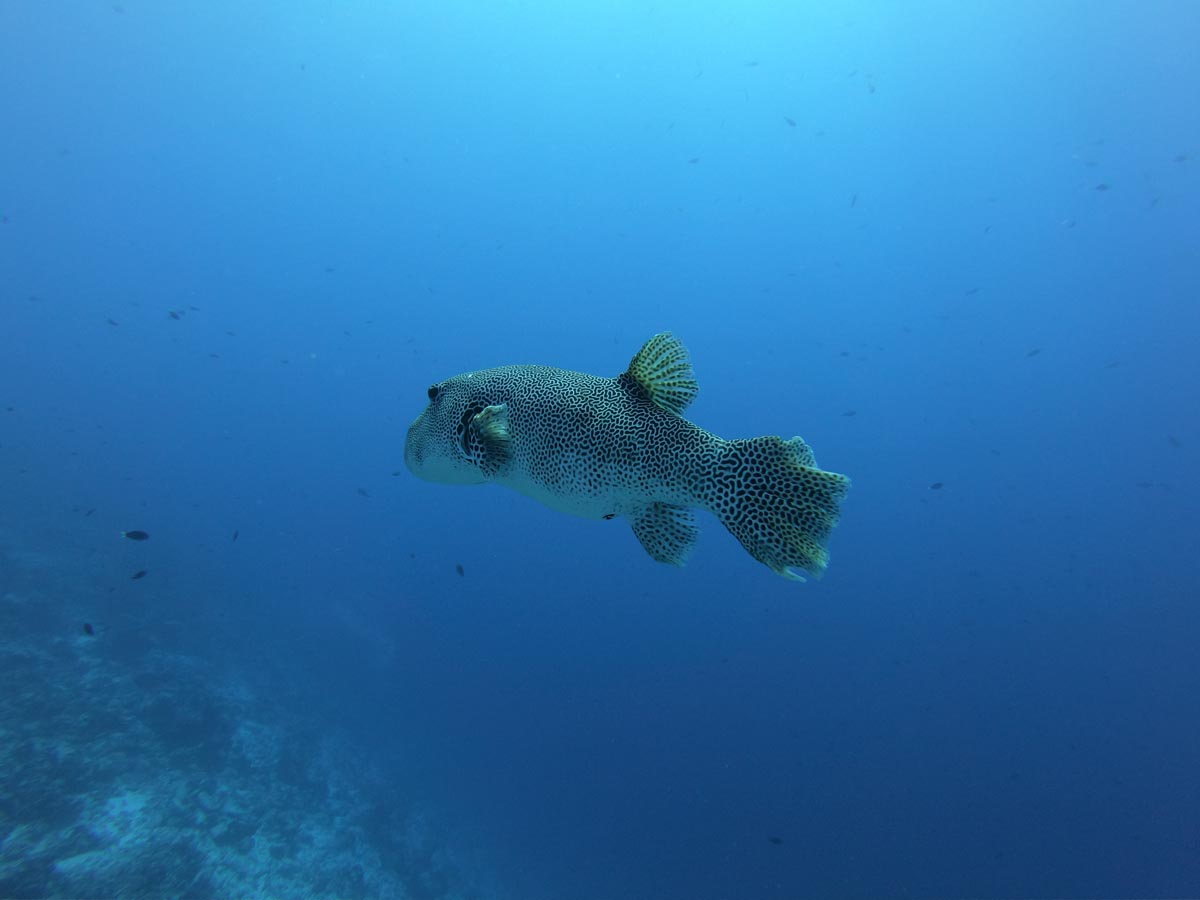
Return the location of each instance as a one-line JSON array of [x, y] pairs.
[[605, 447]]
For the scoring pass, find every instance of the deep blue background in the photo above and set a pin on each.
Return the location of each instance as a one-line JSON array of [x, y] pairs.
[[993, 691]]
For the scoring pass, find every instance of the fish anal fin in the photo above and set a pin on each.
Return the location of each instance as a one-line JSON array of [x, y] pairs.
[[662, 370], [667, 532]]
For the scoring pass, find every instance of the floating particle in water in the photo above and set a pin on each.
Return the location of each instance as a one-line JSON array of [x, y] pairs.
[[140, 573], [136, 535], [459, 569], [937, 486]]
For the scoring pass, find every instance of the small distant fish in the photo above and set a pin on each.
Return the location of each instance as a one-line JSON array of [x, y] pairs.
[[970, 292], [235, 536], [1113, 364], [791, 122], [937, 486], [459, 569], [363, 493], [88, 629], [1181, 157], [854, 201], [136, 535], [1102, 186], [174, 314], [850, 412], [1034, 352], [775, 840], [231, 333], [397, 473], [752, 64], [89, 512], [1174, 441], [113, 322], [140, 573], [693, 160]]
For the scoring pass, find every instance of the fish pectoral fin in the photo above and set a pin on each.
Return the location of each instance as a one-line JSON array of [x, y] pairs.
[[491, 438], [667, 532], [662, 370]]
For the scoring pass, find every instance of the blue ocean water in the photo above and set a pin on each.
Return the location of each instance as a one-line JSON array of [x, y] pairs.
[[954, 246]]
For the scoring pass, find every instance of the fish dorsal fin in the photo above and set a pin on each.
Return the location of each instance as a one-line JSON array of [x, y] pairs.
[[662, 370], [488, 440]]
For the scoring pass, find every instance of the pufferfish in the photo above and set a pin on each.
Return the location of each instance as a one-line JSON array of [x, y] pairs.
[[605, 447]]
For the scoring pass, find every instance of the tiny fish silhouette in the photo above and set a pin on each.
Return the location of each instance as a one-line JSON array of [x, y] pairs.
[[693, 160], [140, 573], [1102, 186], [136, 535], [1034, 352], [113, 322], [174, 315], [775, 840], [936, 486], [88, 629], [363, 493], [89, 512], [235, 536], [459, 569], [791, 122]]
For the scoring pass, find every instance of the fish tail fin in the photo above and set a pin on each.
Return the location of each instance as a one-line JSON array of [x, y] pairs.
[[772, 497]]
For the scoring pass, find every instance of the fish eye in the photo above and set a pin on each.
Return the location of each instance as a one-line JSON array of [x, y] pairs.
[[434, 390]]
